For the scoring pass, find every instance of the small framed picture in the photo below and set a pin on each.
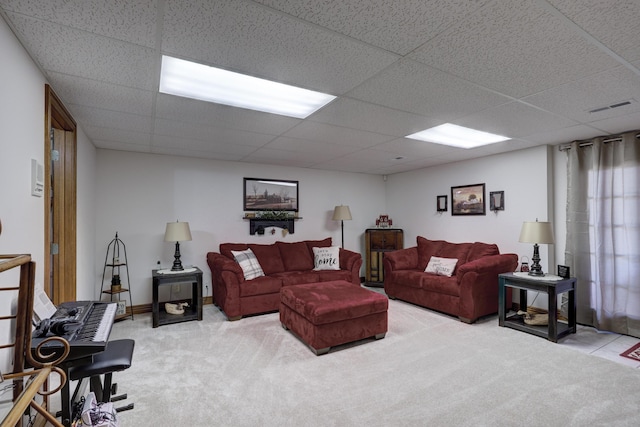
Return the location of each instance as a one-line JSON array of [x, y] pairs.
[[441, 203], [122, 308], [564, 271]]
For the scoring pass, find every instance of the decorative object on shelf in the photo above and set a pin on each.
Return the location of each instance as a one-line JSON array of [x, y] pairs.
[[177, 232], [116, 261], [468, 200], [259, 221], [270, 195], [341, 213], [384, 221], [496, 201], [524, 267], [536, 232], [564, 271], [441, 205]]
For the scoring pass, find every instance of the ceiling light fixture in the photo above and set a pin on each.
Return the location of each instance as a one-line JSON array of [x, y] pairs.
[[197, 81], [457, 136]]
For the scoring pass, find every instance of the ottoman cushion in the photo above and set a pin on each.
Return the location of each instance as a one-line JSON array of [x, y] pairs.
[[329, 302]]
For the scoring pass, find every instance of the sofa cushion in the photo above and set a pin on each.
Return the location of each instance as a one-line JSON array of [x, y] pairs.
[[479, 250], [268, 257], [426, 249], [226, 248], [327, 258], [295, 256], [260, 286], [249, 264], [290, 278], [441, 266], [331, 275], [317, 244]]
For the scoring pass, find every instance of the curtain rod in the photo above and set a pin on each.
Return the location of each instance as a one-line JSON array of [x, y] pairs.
[[589, 142]]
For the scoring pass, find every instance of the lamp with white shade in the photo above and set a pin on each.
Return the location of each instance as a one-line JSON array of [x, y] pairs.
[[177, 232], [536, 232], [342, 213]]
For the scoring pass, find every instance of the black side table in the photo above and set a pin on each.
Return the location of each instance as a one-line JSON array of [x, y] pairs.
[[554, 330], [193, 312]]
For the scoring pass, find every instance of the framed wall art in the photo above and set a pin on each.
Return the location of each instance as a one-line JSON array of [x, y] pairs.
[[441, 204], [468, 200], [496, 200], [270, 195]]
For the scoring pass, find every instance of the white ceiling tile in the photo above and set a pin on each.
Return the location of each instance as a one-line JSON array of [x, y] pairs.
[[119, 120], [130, 21], [87, 55], [562, 135], [122, 146], [398, 26], [246, 37], [361, 115], [417, 88], [412, 148], [514, 120], [212, 134], [194, 111], [617, 27], [235, 151], [90, 93], [515, 47], [312, 148], [336, 134], [619, 124], [100, 135], [576, 99]]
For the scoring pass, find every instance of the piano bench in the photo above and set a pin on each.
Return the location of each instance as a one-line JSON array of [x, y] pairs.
[[115, 358]]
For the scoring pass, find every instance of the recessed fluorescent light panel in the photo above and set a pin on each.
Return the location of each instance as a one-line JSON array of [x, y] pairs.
[[457, 136], [197, 81]]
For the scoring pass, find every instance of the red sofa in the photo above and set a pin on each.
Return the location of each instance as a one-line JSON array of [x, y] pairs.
[[471, 292], [284, 264]]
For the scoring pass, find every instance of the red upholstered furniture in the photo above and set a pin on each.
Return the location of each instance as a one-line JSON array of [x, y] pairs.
[[284, 264], [324, 315], [472, 290]]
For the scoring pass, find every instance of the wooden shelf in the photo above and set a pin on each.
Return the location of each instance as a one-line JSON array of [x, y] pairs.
[[257, 225]]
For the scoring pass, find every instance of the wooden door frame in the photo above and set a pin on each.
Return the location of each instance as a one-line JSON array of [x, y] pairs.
[[63, 287]]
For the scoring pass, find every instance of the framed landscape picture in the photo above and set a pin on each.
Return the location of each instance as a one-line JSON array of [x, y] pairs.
[[468, 200], [270, 195]]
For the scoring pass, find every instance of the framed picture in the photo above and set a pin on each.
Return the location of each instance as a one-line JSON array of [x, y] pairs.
[[496, 200], [270, 195], [564, 271], [122, 308], [468, 200], [441, 203]]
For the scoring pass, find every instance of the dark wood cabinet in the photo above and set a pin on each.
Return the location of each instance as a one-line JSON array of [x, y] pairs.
[[377, 242]]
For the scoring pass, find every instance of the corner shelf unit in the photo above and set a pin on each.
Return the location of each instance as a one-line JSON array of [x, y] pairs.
[[115, 262]]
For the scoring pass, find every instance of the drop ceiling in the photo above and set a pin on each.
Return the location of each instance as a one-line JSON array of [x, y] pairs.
[[532, 70]]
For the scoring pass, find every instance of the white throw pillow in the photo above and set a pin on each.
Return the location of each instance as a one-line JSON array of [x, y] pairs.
[[326, 258], [441, 266], [249, 264]]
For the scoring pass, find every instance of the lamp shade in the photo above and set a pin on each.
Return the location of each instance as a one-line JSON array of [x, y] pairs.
[[536, 232], [177, 232], [341, 213]]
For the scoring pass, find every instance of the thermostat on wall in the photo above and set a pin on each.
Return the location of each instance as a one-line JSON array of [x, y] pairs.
[[37, 178]]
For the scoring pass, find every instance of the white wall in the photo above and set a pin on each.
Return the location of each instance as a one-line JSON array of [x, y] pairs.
[[523, 176], [137, 194], [22, 215]]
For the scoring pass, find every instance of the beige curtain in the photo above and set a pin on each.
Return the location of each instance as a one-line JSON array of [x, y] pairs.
[[603, 232]]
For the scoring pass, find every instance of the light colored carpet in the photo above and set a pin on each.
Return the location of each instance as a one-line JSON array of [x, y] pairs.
[[430, 370]]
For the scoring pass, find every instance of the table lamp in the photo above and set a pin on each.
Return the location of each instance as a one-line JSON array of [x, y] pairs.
[[177, 232], [341, 213], [536, 232]]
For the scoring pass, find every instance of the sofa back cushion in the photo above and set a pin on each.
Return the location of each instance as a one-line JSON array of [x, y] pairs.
[[479, 250], [295, 256], [226, 248], [269, 258], [325, 243], [442, 249]]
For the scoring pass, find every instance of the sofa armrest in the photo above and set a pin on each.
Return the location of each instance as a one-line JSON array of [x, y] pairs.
[[226, 277], [401, 259], [352, 262], [478, 281], [220, 263], [492, 264]]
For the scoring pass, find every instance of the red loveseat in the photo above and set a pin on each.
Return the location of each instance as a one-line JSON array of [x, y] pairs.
[[284, 264], [472, 290]]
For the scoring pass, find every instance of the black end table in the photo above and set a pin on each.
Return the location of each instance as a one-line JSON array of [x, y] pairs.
[[554, 330], [193, 312]]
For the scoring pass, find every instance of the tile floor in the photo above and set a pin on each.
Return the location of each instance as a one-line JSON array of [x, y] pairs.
[[607, 345]]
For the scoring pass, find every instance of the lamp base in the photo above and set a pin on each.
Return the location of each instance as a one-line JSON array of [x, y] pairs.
[[177, 264], [536, 268]]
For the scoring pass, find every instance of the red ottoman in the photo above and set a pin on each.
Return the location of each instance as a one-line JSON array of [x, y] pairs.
[[327, 314]]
